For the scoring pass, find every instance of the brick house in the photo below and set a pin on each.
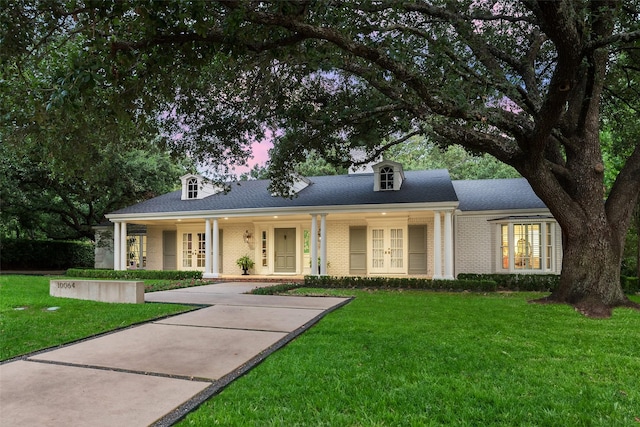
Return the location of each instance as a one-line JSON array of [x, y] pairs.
[[382, 222]]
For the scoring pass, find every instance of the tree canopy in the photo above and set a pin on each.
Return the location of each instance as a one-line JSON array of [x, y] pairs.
[[522, 81], [43, 199]]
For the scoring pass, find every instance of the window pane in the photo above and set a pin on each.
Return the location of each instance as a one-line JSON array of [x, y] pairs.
[[396, 247], [527, 246], [137, 251], [192, 188], [386, 178], [504, 246], [377, 243], [548, 261], [186, 249], [264, 248], [201, 250]]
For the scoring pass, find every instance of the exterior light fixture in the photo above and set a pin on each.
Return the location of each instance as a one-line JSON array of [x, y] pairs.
[[247, 237]]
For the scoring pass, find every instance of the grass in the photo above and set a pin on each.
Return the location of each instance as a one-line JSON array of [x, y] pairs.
[[393, 358], [155, 285], [26, 325]]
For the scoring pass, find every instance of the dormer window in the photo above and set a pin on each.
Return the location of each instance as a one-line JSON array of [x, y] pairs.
[[195, 187], [388, 176], [192, 188]]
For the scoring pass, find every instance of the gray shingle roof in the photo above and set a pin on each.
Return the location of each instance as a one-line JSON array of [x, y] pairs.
[[429, 186], [496, 194]]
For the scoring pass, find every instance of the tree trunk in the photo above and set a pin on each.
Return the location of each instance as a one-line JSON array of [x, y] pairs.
[[590, 278]]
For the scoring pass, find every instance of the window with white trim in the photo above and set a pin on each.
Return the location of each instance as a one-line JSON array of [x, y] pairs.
[[386, 178], [527, 246], [192, 188]]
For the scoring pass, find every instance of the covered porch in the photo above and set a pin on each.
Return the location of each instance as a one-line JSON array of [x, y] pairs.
[[286, 246]]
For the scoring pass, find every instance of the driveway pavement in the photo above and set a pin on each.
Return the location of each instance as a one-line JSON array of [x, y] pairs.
[[155, 373]]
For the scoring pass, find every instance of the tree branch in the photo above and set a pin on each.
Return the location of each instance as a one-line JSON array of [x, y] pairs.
[[625, 191], [380, 150], [612, 39]]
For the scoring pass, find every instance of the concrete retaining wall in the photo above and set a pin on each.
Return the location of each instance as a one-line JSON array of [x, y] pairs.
[[99, 290]]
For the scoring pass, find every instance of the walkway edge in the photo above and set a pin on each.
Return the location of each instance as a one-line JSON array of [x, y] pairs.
[[219, 385]]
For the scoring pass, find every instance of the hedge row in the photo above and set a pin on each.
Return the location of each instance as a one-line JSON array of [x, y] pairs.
[[540, 282], [275, 289], [21, 254], [134, 274], [518, 282], [465, 282], [399, 283]]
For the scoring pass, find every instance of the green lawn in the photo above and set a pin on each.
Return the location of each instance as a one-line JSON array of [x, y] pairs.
[[420, 358], [27, 325], [393, 358]]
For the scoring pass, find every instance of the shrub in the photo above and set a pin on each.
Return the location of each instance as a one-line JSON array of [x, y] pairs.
[[275, 289], [399, 283], [45, 254], [518, 282], [134, 274]]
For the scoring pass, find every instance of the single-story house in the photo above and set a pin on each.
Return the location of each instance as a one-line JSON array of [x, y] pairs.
[[385, 221]]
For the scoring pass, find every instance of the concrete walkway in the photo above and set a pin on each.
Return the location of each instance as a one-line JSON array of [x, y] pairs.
[[155, 373]]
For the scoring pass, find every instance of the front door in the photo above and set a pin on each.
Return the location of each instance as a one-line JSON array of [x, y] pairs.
[[193, 251], [387, 250], [285, 250]]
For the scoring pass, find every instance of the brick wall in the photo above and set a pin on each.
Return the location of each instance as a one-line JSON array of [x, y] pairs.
[[473, 242], [154, 248]]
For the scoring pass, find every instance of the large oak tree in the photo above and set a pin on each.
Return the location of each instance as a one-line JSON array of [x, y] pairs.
[[521, 81]]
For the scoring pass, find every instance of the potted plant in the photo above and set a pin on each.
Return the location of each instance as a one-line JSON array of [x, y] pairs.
[[245, 263]]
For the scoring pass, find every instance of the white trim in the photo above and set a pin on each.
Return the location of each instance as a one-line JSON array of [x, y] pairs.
[[323, 244], [314, 245], [505, 212], [207, 248], [511, 241], [116, 245], [437, 246], [215, 267], [448, 246], [282, 211]]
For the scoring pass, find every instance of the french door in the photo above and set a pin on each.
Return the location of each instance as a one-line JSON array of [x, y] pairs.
[[387, 250], [193, 250]]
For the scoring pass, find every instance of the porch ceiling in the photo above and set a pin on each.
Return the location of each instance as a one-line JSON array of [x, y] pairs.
[[340, 216]]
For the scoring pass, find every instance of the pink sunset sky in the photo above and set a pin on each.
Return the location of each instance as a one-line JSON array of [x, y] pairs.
[[260, 155]]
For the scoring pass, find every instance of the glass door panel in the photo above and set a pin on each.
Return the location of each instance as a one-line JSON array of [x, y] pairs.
[[377, 247], [396, 252], [387, 250], [187, 248]]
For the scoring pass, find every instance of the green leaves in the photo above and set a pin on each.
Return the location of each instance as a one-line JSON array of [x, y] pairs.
[[63, 197]]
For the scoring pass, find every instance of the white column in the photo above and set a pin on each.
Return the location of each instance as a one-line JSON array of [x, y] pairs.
[[323, 244], [437, 242], [123, 246], [207, 248], [116, 246], [448, 246], [314, 245], [216, 250]]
